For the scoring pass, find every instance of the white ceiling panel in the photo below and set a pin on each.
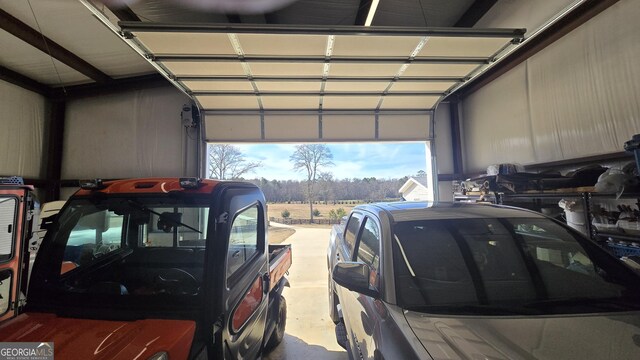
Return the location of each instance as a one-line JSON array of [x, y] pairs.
[[283, 45], [285, 69], [275, 102], [421, 86], [215, 102], [35, 64], [461, 47], [375, 45], [218, 85], [368, 69], [455, 70], [195, 68], [356, 86], [409, 102], [186, 43], [350, 102], [289, 85]]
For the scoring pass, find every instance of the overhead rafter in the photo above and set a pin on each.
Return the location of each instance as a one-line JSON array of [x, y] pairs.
[[24, 82], [114, 86], [322, 59], [123, 12], [34, 38], [475, 12]]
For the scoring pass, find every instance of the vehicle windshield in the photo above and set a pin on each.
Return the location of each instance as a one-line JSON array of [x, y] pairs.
[[506, 266], [124, 253]]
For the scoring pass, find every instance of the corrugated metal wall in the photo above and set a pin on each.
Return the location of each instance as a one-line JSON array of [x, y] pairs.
[[576, 98]]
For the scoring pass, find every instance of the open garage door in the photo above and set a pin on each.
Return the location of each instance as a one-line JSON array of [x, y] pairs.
[[305, 83]]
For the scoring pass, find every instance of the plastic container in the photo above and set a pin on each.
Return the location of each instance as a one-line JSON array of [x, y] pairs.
[[621, 250], [574, 214]]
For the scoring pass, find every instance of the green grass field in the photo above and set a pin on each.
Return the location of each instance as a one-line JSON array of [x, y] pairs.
[[301, 211]]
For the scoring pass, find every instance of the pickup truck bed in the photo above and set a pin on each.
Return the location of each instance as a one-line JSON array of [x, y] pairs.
[[279, 263]]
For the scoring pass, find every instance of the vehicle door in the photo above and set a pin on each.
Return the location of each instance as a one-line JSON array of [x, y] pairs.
[[245, 274], [15, 224]]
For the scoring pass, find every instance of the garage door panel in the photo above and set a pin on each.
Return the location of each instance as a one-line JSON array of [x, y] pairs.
[[443, 70], [403, 127], [421, 86], [288, 86], [219, 85], [461, 47], [409, 102], [285, 69], [232, 127], [201, 68], [187, 43], [274, 102], [246, 102], [360, 70], [291, 127], [354, 86], [283, 45], [375, 46], [350, 102], [348, 127]]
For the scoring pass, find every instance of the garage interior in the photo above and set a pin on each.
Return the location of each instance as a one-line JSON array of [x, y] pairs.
[[91, 90]]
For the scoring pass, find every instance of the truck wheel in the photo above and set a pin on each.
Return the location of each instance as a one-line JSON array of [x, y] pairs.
[[278, 332], [333, 303]]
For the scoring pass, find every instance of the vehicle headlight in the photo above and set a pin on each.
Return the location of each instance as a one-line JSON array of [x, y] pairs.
[[162, 355]]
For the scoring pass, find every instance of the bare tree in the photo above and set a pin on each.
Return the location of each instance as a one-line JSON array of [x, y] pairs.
[[227, 162], [310, 158]]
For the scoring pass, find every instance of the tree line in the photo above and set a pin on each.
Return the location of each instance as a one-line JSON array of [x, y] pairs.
[[314, 160]]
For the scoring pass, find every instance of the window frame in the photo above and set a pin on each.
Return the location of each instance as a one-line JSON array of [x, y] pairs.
[[371, 219], [16, 212], [350, 250], [233, 277]]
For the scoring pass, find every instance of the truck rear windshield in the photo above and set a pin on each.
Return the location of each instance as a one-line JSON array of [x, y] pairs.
[[506, 266], [124, 253]]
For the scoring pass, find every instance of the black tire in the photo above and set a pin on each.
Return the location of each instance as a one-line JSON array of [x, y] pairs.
[[278, 332], [333, 302]]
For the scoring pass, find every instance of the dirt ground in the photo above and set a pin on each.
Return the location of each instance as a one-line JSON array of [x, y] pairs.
[[301, 211], [279, 234]]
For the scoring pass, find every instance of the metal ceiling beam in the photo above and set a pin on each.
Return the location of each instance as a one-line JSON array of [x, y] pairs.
[[554, 32], [319, 78], [322, 59], [24, 82], [34, 38], [317, 93], [318, 111], [129, 27], [474, 13], [363, 11], [114, 86], [123, 12]]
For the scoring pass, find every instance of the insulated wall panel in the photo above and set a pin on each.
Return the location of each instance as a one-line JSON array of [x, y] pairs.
[[132, 134], [585, 88], [221, 128], [496, 123], [21, 138], [348, 127], [403, 127]]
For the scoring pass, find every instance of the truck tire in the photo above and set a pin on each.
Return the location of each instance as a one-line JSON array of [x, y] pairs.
[[278, 332], [333, 302]]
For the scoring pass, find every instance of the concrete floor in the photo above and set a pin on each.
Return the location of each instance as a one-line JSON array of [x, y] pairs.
[[310, 332]]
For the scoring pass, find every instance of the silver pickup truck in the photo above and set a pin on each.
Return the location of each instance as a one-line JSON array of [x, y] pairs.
[[466, 281]]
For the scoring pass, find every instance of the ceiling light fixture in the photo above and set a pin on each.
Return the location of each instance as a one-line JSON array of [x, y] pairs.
[[372, 12]]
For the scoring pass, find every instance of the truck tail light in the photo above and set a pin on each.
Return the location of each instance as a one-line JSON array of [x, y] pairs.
[[247, 306]]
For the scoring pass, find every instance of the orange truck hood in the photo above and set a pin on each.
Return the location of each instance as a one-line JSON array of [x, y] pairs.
[[102, 339]]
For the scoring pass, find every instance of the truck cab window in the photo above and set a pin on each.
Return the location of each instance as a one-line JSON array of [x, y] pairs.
[[94, 235], [369, 249], [8, 207], [243, 239], [352, 231]]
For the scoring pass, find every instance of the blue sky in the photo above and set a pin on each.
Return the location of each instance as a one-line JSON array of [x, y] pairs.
[[352, 160]]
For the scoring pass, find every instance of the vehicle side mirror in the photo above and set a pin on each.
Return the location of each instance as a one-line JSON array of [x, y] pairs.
[[355, 277]]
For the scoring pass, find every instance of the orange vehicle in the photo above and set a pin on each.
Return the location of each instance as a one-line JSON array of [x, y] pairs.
[[160, 268]]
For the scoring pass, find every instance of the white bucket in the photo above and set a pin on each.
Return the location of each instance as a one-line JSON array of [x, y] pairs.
[[574, 213]]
